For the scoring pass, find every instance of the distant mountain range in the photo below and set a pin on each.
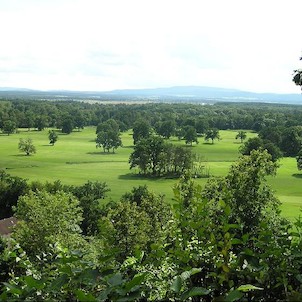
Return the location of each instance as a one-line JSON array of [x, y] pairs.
[[198, 94]]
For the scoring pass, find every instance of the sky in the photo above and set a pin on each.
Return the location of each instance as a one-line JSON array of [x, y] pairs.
[[100, 45]]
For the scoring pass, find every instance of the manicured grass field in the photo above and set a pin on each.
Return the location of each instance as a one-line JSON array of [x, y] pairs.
[[74, 159]]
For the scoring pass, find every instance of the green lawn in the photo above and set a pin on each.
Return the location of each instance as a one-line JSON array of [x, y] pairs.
[[74, 159]]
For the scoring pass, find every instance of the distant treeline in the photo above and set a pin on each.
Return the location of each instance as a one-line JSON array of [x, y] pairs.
[[41, 114], [280, 125]]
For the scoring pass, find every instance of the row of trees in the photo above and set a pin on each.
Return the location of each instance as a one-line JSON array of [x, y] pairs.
[[154, 156], [225, 241], [164, 118]]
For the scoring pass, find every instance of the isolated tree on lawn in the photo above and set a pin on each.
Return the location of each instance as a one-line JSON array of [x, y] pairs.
[[26, 145], [241, 135], [9, 127], [53, 137], [212, 134]]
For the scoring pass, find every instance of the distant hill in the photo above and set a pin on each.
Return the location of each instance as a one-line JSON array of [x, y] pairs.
[[201, 94]]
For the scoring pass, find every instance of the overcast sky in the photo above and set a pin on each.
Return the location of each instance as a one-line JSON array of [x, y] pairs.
[[114, 44]]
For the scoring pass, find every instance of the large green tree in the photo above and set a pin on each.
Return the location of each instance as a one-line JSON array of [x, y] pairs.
[[257, 143], [139, 220], [46, 219]]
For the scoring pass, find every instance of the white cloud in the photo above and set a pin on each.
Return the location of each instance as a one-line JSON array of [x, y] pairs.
[[100, 45]]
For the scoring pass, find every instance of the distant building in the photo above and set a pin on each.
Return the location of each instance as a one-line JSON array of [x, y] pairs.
[[6, 226]]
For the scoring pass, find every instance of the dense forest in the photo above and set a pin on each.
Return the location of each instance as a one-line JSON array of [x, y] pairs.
[[226, 241]]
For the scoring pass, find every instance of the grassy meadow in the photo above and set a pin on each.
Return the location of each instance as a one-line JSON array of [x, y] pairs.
[[74, 159]]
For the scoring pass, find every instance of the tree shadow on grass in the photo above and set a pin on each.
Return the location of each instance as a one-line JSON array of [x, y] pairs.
[[100, 153], [296, 175], [131, 176]]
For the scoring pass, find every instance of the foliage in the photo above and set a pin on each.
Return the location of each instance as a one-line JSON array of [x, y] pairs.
[[46, 219], [244, 187], [257, 143], [224, 242], [52, 136], [26, 145], [11, 188], [297, 77], [139, 220], [90, 195], [70, 278], [291, 140]]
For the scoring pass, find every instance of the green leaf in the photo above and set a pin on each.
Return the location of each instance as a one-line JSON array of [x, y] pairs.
[[34, 283], [193, 292], [83, 297], [59, 282], [233, 295], [137, 280], [176, 285], [236, 241], [248, 287], [187, 274], [13, 288], [115, 280]]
